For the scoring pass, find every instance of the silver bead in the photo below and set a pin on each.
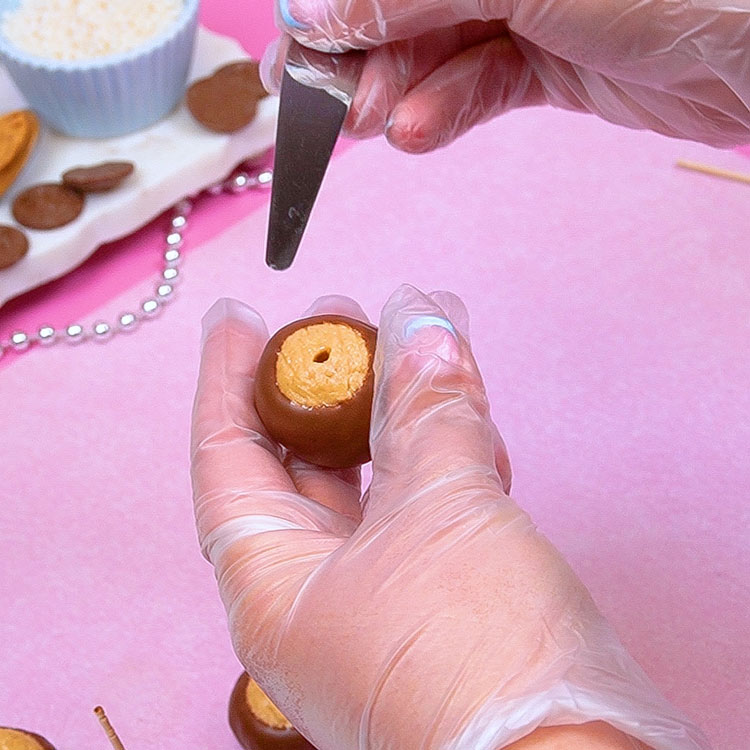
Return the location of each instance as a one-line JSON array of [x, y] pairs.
[[174, 239], [216, 189], [102, 330], [183, 207], [75, 333], [172, 256], [178, 222], [238, 183], [46, 335], [19, 341], [264, 178], [171, 275], [164, 291], [127, 321], [150, 307]]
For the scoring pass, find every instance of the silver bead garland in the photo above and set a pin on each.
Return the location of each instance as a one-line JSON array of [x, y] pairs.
[[240, 181]]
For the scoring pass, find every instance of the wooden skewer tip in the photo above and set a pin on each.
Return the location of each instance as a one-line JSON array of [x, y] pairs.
[[108, 729]]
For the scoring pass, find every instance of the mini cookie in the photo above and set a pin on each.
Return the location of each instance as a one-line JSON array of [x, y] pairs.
[[257, 723], [47, 206], [20, 739], [15, 128], [227, 100], [19, 134], [244, 73], [13, 245], [98, 178], [314, 388]]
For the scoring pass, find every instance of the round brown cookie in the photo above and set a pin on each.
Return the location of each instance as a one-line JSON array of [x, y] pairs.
[[243, 73], [47, 206], [98, 178], [21, 739], [13, 245], [227, 100]]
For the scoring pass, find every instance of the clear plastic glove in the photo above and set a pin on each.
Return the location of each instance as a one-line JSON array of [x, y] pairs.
[[435, 68], [430, 614]]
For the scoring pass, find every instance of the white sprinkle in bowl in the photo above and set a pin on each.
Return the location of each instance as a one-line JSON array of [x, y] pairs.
[[102, 97]]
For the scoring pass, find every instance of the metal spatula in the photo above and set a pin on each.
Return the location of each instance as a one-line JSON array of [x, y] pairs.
[[309, 123], [317, 90]]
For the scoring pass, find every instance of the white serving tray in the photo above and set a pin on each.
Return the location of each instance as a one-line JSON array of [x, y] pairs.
[[174, 158]]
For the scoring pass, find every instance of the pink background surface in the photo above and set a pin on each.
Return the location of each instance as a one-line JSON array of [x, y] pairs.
[[610, 297]]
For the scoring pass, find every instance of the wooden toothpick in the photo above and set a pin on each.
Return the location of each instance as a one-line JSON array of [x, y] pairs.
[[726, 174], [111, 734]]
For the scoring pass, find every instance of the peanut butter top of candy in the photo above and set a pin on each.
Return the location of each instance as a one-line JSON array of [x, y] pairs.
[[263, 709], [18, 739], [322, 365]]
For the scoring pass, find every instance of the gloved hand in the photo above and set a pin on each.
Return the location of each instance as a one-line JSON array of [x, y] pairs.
[[435, 68], [431, 614]]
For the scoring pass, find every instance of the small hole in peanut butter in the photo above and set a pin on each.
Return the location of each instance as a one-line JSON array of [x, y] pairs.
[[322, 364]]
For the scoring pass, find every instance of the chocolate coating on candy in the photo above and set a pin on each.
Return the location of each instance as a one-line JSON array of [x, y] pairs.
[[257, 723], [323, 417], [47, 206], [21, 739], [13, 245], [98, 177]]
